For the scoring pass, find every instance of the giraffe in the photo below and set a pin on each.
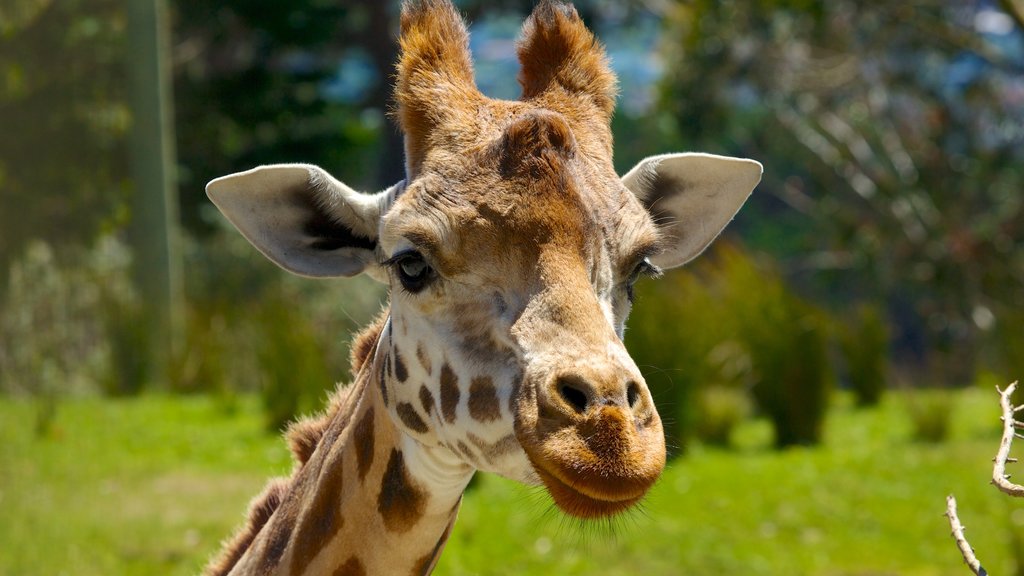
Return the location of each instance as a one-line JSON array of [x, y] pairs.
[[510, 250]]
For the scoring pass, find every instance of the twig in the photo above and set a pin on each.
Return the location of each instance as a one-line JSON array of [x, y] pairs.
[[999, 477], [961, 541]]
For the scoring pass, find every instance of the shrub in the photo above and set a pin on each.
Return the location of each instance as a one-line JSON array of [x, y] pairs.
[[734, 325], [57, 318], [930, 413], [291, 360], [721, 409], [60, 320], [864, 341], [788, 347], [675, 325], [793, 377]]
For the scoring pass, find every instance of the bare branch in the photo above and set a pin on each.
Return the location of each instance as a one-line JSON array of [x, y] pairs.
[[961, 541], [999, 477]]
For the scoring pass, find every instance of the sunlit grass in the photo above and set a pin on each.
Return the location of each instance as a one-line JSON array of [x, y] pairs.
[[150, 486]]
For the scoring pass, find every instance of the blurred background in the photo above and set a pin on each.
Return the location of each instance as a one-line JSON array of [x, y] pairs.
[[825, 372]]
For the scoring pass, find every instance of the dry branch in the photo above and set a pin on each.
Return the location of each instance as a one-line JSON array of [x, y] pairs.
[[1010, 426], [999, 476], [961, 541]]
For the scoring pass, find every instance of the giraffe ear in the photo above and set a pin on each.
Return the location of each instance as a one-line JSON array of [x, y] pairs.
[[303, 219], [691, 197]]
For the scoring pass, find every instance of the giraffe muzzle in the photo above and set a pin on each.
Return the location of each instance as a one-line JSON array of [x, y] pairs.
[[594, 438]]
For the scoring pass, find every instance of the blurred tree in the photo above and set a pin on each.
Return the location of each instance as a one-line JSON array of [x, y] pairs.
[[895, 128], [64, 119], [262, 81], [154, 226]]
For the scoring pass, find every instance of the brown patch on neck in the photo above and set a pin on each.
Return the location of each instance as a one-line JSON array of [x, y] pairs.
[[401, 372], [426, 564], [424, 358], [427, 400], [449, 393], [483, 400], [363, 438], [352, 567], [322, 519], [382, 380], [407, 413], [401, 502]]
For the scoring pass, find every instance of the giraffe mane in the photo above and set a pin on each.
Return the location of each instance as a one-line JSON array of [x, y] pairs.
[[303, 436], [261, 508]]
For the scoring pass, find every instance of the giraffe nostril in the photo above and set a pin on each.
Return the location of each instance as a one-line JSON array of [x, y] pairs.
[[573, 395], [632, 394]]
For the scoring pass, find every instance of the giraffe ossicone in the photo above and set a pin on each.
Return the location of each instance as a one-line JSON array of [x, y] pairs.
[[510, 249]]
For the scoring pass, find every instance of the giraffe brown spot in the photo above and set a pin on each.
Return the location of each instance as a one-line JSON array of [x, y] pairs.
[[427, 400], [411, 418], [400, 370], [505, 445], [483, 400], [277, 543], [424, 358], [491, 452], [382, 381], [401, 502], [352, 567], [466, 451], [449, 393], [281, 526], [364, 440], [425, 565], [480, 443], [321, 520]]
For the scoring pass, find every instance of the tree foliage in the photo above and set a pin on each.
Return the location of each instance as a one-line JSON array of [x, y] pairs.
[[895, 128], [63, 114]]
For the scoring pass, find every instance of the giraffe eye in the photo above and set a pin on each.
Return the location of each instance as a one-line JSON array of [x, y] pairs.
[[644, 268], [413, 271]]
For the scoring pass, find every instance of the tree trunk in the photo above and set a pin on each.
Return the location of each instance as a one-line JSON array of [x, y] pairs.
[[154, 223]]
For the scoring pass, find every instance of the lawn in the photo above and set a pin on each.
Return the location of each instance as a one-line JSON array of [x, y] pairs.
[[150, 485]]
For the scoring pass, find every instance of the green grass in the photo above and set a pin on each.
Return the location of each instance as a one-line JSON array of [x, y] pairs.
[[150, 486]]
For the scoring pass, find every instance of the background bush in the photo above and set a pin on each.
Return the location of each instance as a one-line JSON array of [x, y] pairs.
[[710, 336], [864, 340]]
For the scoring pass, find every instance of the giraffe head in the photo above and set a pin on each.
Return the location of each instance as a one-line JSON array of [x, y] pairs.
[[511, 250]]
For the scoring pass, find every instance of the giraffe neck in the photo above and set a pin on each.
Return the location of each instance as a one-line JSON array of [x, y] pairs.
[[370, 499]]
